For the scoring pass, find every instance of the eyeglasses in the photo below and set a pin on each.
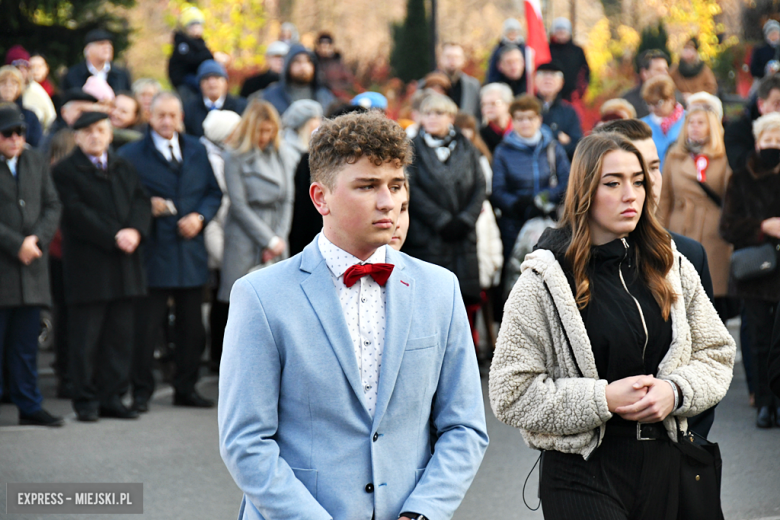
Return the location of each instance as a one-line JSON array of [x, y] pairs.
[[19, 130], [436, 113], [524, 119]]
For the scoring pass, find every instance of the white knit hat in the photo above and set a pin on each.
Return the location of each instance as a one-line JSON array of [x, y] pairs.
[[219, 124]]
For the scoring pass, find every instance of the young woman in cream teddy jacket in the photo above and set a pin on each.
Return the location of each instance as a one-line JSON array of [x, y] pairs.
[[562, 371]]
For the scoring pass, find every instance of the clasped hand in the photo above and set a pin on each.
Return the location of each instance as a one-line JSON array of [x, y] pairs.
[[640, 398]]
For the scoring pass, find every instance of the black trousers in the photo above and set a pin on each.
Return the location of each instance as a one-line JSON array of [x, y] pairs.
[[61, 362], [624, 479], [218, 317], [190, 339], [760, 317], [101, 346]]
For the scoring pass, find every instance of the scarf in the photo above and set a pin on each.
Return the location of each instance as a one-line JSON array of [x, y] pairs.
[[442, 146], [694, 147], [669, 121], [530, 142]]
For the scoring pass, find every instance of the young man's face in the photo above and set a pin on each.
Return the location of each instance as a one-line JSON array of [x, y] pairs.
[[650, 154], [360, 213]]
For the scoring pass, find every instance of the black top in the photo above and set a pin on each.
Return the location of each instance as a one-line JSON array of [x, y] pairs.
[[613, 321], [611, 318]]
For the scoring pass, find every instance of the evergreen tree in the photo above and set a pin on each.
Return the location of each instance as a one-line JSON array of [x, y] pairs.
[[653, 37], [410, 58], [57, 27]]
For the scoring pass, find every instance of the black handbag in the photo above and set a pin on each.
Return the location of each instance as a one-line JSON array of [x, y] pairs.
[[754, 262], [700, 477]]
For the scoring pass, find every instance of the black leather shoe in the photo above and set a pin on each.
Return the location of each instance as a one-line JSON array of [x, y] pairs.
[[140, 406], [40, 418], [777, 417], [193, 400], [87, 416], [764, 419], [118, 412]]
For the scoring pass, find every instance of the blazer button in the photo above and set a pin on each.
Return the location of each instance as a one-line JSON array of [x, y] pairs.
[[21, 203], [369, 488], [376, 437]]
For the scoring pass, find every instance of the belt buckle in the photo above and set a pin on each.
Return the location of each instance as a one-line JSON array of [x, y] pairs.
[[639, 434]]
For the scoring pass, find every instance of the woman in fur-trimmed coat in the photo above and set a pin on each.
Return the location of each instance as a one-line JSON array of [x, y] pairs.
[[608, 337]]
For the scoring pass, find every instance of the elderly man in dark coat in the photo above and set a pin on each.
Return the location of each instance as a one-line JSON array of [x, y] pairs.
[[106, 213], [29, 213], [176, 172], [98, 53], [212, 79]]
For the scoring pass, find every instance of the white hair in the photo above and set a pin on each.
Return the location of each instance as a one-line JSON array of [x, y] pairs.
[[500, 88], [766, 122]]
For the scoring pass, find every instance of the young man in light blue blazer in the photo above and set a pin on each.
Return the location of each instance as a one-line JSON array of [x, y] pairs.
[[349, 388]]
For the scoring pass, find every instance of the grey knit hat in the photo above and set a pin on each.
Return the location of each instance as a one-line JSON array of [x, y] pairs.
[[771, 25], [511, 24], [300, 112], [561, 24]]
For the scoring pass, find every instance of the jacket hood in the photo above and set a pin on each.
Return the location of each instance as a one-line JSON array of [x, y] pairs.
[[513, 140], [294, 51]]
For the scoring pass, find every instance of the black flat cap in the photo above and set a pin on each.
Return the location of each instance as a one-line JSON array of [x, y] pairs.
[[11, 117], [89, 118], [76, 94], [98, 35], [549, 67]]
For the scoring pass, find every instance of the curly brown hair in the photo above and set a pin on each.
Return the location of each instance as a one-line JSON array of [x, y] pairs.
[[348, 138]]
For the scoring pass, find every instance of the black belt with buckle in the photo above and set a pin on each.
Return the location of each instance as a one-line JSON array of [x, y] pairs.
[[636, 430]]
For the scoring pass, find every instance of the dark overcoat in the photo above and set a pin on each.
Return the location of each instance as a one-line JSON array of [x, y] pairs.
[[96, 205], [195, 112], [752, 196], [171, 260], [440, 192], [118, 78], [28, 206]]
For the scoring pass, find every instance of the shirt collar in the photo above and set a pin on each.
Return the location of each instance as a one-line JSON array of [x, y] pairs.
[[218, 104], [164, 144], [100, 162], [105, 70], [339, 260], [12, 162]]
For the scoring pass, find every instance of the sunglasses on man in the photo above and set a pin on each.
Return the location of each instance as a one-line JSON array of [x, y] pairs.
[[19, 130]]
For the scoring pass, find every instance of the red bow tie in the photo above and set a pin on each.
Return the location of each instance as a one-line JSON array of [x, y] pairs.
[[379, 272]]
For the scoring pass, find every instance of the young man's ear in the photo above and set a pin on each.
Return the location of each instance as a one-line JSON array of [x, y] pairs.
[[317, 194]]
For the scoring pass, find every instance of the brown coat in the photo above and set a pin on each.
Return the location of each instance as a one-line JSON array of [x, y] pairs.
[[704, 81], [686, 209]]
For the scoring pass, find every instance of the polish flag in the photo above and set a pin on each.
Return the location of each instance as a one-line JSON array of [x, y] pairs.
[[537, 48]]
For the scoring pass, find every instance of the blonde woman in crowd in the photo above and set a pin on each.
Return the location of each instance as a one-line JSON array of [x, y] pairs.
[[696, 173], [259, 170]]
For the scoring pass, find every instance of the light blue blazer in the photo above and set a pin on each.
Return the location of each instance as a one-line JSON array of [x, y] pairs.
[[294, 429]]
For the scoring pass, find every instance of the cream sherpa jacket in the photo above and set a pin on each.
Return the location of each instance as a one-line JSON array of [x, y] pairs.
[[535, 385]]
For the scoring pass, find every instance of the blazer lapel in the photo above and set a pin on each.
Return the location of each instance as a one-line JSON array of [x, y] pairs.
[[323, 297], [400, 295]]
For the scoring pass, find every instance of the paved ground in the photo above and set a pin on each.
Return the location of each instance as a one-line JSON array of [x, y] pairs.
[[173, 452]]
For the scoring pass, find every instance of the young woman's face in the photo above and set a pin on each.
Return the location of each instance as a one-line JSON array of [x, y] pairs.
[[620, 196], [698, 127], [266, 133], [526, 123]]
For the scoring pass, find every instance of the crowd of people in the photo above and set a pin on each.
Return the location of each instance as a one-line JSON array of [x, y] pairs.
[[125, 203]]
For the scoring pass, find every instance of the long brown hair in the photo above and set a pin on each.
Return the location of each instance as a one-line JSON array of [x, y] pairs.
[[467, 121], [654, 256]]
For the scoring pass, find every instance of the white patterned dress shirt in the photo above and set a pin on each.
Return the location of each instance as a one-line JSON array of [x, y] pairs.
[[363, 305]]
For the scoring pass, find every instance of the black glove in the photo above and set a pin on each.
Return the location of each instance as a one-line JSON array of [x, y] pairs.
[[521, 205], [454, 230], [535, 211]]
